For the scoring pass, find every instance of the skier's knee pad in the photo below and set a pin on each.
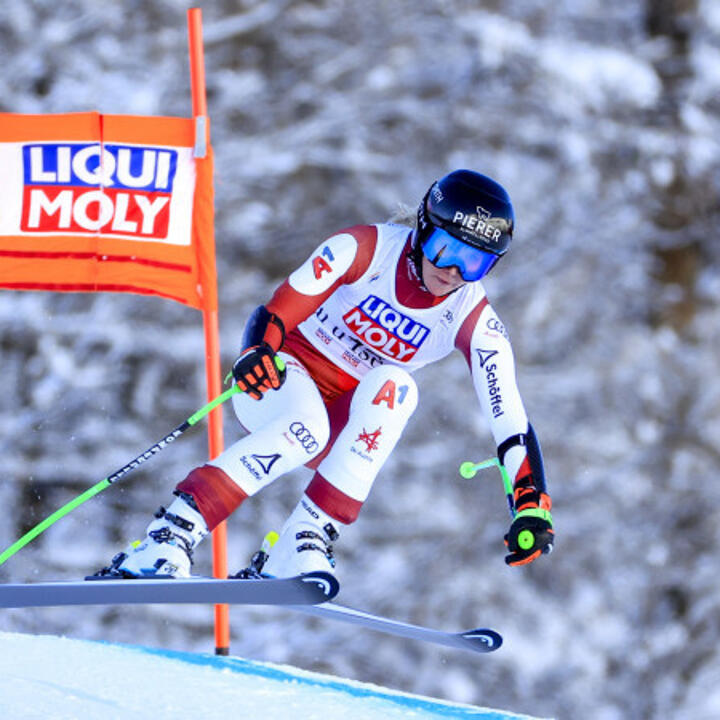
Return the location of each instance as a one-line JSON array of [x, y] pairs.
[[276, 448]]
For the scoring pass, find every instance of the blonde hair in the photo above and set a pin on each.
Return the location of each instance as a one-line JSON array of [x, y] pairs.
[[404, 215]]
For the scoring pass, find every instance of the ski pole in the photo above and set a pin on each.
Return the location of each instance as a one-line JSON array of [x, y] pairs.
[[124, 470], [469, 469]]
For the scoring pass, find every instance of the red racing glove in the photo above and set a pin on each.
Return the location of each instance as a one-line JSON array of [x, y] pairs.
[[257, 370]]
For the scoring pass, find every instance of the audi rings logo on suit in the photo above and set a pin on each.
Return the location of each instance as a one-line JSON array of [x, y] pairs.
[[304, 436]]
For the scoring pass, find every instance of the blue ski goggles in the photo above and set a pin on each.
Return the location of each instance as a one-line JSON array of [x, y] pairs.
[[443, 250]]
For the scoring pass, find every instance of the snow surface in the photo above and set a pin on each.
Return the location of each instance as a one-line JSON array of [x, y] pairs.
[[57, 678]]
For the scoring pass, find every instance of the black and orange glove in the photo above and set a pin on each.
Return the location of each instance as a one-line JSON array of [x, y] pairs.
[[257, 370], [531, 533]]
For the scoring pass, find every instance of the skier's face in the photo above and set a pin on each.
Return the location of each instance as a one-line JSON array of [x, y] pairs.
[[441, 281]]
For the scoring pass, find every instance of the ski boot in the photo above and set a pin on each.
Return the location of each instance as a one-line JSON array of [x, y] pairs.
[[167, 549], [304, 544]]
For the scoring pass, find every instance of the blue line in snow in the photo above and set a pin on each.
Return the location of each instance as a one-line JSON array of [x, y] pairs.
[[249, 667]]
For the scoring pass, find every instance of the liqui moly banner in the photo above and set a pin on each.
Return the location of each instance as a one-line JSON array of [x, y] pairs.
[[92, 202]]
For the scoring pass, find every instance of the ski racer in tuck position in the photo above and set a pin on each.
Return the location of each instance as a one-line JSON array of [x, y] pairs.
[[326, 373]]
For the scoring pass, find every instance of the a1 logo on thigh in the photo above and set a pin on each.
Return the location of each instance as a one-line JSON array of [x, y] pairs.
[[388, 393]]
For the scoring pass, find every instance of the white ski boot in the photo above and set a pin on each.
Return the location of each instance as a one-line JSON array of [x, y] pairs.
[[304, 544], [168, 547]]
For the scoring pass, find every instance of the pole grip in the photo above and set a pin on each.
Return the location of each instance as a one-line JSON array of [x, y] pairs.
[[469, 469]]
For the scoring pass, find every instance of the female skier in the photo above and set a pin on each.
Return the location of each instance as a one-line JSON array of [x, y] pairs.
[[326, 369]]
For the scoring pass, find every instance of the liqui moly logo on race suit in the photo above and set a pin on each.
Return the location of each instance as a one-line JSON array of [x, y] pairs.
[[112, 189], [386, 329]]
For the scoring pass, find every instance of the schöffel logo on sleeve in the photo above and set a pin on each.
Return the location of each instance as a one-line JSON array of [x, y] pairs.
[[90, 188], [386, 329]]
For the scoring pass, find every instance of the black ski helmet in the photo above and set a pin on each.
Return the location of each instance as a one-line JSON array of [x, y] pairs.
[[469, 206]]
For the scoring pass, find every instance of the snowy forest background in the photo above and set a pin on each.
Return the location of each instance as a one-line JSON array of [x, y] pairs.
[[602, 119]]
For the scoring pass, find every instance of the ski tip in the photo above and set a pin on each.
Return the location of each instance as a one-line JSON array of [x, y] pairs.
[[482, 640], [326, 582]]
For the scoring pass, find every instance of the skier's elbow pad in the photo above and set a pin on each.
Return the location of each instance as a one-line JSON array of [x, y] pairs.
[[264, 327], [534, 454]]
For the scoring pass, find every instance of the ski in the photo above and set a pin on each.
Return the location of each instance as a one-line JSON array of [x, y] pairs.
[[316, 587], [480, 640], [307, 594]]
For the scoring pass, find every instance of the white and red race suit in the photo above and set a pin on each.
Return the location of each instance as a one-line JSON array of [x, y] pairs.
[[358, 323]]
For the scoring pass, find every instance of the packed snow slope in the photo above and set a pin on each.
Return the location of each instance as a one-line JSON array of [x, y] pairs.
[[64, 679]]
